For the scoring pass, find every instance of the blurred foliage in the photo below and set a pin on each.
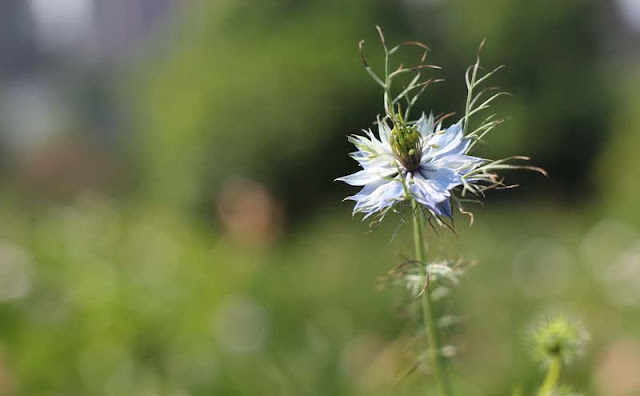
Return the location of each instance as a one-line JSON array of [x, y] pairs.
[[138, 301], [616, 172], [270, 90], [254, 89]]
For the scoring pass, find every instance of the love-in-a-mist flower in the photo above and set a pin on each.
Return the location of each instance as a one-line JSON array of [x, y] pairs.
[[420, 161]]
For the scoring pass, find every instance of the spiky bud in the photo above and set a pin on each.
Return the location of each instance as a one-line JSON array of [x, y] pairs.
[[558, 339]]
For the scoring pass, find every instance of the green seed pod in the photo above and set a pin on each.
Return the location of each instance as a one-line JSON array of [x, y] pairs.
[[406, 143]]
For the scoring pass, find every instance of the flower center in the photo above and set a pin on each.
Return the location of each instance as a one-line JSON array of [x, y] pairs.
[[407, 146]]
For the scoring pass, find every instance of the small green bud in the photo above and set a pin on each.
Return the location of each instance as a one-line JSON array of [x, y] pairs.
[[557, 338]]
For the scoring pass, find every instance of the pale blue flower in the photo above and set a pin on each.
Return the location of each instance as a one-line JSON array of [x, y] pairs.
[[420, 161]]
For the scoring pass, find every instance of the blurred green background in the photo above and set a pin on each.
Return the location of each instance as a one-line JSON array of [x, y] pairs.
[[169, 224]]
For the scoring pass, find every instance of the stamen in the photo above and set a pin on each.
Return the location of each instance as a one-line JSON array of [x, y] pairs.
[[407, 146]]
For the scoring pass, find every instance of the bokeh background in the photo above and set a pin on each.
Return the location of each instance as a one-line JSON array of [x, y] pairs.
[[169, 224]]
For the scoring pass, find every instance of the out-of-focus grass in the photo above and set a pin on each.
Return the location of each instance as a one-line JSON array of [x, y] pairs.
[[141, 301]]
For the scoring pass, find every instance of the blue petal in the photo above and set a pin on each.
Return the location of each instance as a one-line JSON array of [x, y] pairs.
[[445, 178], [449, 137], [453, 149], [460, 163], [431, 187], [426, 125], [444, 209], [377, 197], [367, 176], [448, 142], [384, 132], [364, 192], [427, 192]]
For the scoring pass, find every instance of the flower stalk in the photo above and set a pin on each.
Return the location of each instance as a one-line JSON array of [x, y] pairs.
[[431, 328], [551, 380], [554, 344]]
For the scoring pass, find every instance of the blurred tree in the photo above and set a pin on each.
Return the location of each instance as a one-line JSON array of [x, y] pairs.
[[260, 89]]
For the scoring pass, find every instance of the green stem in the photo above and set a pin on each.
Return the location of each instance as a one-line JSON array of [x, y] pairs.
[[387, 84], [433, 336], [551, 380], [467, 107]]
